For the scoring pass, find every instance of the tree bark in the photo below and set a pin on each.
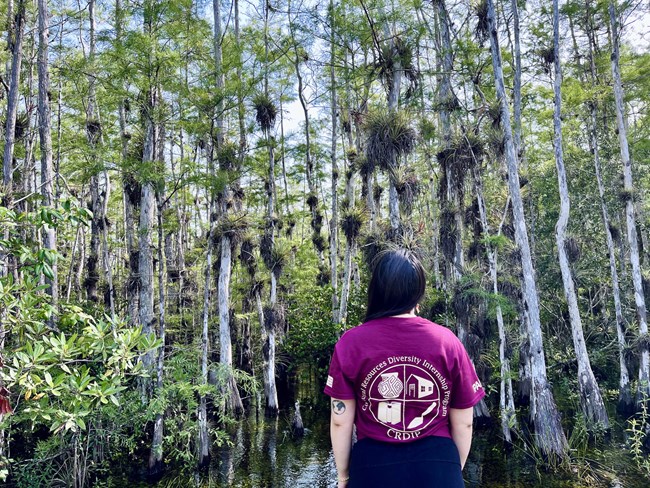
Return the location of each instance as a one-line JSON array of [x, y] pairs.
[[16, 43], [591, 399], [334, 222], [45, 135], [268, 333], [233, 402], [506, 396], [643, 390], [546, 420], [156, 454], [203, 434], [625, 402]]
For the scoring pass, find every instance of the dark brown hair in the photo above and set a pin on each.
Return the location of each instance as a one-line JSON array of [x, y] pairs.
[[397, 284]]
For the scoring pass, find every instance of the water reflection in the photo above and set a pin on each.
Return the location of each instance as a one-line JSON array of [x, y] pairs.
[[265, 455]]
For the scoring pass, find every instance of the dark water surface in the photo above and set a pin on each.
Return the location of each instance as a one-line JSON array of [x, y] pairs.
[[265, 455]]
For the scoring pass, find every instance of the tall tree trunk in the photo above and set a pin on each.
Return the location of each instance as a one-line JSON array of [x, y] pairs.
[[546, 420], [130, 195], [156, 454], [99, 188], [240, 90], [45, 135], [393, 105], [16, 46], [452, 186], [643, 390], [516, 92], [15, 37], [449, 191], [506, 396], [233, 399], [145, 228], [268, 332], [625, 402], [203, 433], [334, 222], [591, 400]]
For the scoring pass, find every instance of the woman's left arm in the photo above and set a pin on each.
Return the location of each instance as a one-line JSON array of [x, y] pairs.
[[341, 424], [461, 423]]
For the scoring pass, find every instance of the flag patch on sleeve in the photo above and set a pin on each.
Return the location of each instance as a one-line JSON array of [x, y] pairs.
[[330, 381]]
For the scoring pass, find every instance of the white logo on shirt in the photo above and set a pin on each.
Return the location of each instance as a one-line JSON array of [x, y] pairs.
[[330, 381], [477, 386]]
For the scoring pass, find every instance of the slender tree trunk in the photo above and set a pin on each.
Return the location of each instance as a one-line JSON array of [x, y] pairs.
[[45, 133], [549, 434], [393, 106], [506, 396], [591, 400], [643, 390], [268, 330], [93, 135], [233, 400], [625, 402], [203, 434], [516, 92], [240, 93], [16, 45], [156, 454], [450, 196], [131, 196], [334, 222], [145, 228], [452, 187]]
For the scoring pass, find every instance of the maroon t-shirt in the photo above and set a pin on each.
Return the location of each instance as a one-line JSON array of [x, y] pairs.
[[405, 374]]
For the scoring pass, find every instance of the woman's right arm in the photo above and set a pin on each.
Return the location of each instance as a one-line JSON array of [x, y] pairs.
[[341, 424], [461, 420]]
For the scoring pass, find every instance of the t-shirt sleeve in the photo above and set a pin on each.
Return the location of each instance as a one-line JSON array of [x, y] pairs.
[[467, 390], [338, 385]]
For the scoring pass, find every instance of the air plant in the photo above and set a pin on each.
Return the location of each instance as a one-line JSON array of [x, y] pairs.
[[94, 130], [228, 156], [392, 53], [389, 137], [572, 249], [351, 222], [317, 222], [448, 231], [20, 129], [246, 254], [407, 186], [463, 153], [265, 111], [279, 257], [481, 11], [366, 167], [274, 317], [312, 201], [319, 241], [232, 225], [266, 246], [547, 56], [494, 113], [373, 244], [323, 277]]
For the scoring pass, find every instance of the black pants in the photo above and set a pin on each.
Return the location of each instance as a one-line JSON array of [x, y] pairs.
[[432, 462]]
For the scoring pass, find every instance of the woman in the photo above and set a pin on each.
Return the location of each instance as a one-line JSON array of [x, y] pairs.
[[406, 383]]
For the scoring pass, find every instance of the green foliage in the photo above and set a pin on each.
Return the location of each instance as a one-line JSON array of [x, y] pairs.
[[390, 135], [638, 427]]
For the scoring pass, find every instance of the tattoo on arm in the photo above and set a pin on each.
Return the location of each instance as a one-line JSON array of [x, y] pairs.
[[338, 407]]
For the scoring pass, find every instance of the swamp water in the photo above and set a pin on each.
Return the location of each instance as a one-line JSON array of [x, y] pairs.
[[264, 455]]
